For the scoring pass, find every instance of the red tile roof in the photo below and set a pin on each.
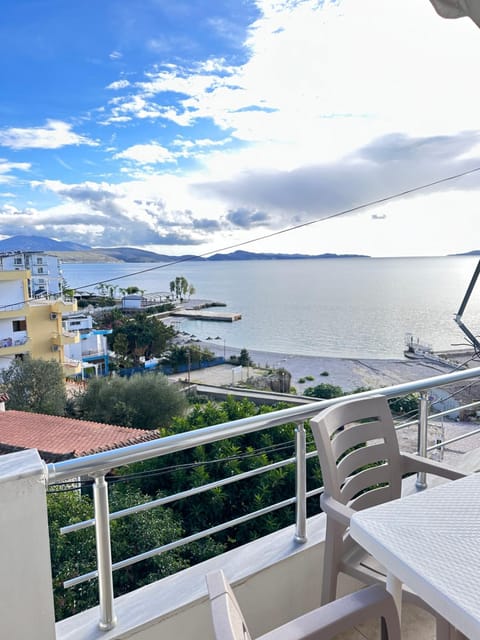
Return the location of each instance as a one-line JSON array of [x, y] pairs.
[[58, 438]]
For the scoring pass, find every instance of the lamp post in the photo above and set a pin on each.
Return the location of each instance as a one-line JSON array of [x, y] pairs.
[[224, 347]]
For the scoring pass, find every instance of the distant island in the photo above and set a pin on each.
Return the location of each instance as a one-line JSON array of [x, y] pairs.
[[74, 252]]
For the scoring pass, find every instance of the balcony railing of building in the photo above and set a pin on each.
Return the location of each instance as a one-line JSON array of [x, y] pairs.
[[65, 337], [10, 346], [12, 307], [99, 465]]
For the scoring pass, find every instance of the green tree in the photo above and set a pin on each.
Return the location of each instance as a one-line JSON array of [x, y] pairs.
[[182, 470], [146, 337], [181, 354], [35, 385], [324, 391], [74, 554], [244, 358], [146, 401], [405, 404]]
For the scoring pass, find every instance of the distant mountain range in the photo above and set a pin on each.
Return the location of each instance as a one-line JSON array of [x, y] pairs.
[[74, 252], [39, 243]]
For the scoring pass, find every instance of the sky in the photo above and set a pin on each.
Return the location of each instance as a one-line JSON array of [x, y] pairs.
[[201, 126]]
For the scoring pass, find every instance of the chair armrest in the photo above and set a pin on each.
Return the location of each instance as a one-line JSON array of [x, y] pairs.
[[413, 464], [335, 509]]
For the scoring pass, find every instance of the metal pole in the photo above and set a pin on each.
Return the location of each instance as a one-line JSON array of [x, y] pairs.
[[104, 553], [301, 484], [421, 482]]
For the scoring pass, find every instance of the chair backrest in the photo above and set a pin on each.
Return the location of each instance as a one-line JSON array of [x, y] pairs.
[[228, 621], [358, 451]]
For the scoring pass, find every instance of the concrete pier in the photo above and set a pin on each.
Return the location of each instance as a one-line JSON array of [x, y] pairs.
[[198, 314]]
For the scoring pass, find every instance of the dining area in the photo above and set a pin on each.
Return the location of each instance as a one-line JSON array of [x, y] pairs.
[[414, 551]]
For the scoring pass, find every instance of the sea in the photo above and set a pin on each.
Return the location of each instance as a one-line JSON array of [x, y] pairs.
[[340, 307]]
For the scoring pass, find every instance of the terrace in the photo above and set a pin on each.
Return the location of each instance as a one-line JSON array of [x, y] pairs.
[[281, 572]]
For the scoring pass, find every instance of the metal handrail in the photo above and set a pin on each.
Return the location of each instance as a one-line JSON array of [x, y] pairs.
[[106, 460], [98, 465]]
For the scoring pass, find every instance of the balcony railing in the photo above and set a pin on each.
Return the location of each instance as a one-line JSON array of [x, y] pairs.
[[97, 466], [65, 337], [10, 346]]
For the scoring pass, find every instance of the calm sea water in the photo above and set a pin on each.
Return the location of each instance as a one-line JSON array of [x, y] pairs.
[[345, 307]]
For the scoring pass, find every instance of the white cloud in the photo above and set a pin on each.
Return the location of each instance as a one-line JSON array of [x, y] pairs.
[[115, 55], [152, 153], [7, 167], [118, 84], [53, 135], [321, 82]]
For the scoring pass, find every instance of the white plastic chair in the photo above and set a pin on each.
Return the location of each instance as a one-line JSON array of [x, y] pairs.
[[362, 466], [320, 624]]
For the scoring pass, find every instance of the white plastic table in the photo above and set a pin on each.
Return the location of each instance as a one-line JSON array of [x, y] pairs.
[[431, 542]]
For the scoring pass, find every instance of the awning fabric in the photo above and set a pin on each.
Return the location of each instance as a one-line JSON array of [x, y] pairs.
[[458, 9]]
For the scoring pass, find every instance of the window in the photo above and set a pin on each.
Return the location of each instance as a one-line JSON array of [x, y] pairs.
[[39, 260], [40, 270], [17, 261], [19, 325]]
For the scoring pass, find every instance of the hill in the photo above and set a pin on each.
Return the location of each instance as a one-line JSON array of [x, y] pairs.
[[130, 254], [246, 255], [75, 252], [39, 243]]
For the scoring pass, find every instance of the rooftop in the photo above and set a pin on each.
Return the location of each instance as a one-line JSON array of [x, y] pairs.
[[59, 438]]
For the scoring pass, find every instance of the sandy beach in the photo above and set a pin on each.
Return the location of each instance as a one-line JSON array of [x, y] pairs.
[[347, 373]]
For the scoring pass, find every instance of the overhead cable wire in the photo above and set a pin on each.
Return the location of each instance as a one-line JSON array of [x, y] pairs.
[[337, 214], [67, 485], [273, 234]]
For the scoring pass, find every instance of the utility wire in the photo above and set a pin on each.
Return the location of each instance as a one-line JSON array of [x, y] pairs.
[[337, 214], [331, 216], [282, 446]]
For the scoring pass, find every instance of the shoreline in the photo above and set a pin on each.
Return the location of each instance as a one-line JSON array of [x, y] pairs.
[[347, 373]]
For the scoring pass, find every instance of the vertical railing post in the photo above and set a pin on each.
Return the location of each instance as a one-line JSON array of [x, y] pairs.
[[301, 484], [104, 553], [421, 482]]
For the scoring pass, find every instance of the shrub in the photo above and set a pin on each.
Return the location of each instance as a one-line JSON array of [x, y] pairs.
[[324, 391]]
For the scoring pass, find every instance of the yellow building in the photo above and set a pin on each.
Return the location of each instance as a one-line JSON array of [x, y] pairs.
[[31, 325]]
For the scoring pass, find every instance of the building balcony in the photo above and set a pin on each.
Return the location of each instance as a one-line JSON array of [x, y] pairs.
[[65, 337], [279, 574], [71, 367], [12, 310], [11, 347]]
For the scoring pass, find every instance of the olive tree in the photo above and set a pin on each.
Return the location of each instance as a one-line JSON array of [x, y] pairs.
[[147, 401], [35, 385]]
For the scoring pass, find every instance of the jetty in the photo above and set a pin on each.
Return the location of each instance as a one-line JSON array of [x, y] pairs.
[[200, 314]]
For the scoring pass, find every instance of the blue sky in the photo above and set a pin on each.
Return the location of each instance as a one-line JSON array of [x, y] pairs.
[[186, 127]]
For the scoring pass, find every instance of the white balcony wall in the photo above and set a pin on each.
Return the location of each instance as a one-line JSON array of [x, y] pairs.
[[275, 579], [73, 351], [93, 345], [26, 601], [11, 293], [79, 322]]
